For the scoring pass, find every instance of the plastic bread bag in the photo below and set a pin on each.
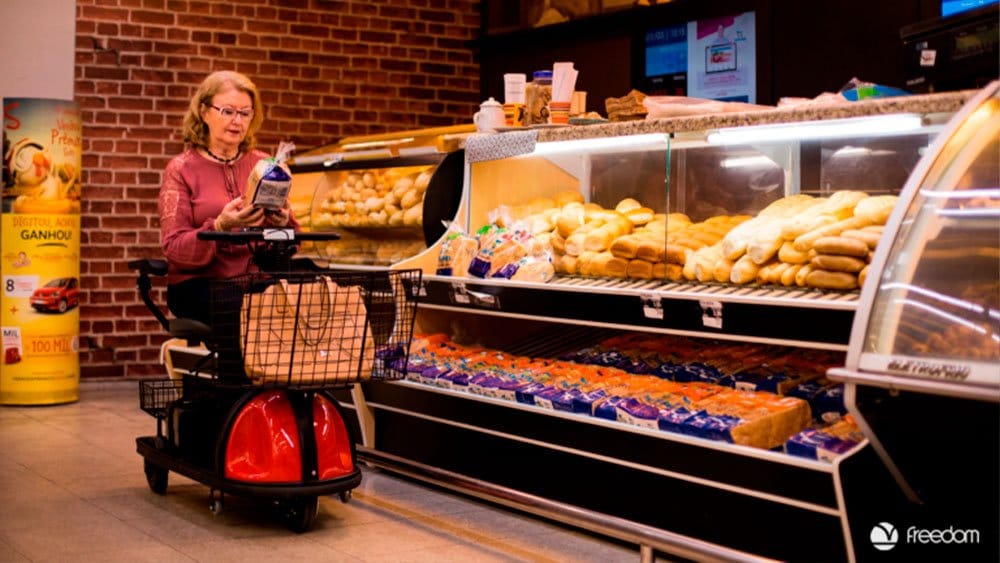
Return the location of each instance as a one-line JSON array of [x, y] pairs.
[[457, 252], [498, 250], [270, 180]]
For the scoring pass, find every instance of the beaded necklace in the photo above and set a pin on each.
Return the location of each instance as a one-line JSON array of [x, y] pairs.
[[223, 160]]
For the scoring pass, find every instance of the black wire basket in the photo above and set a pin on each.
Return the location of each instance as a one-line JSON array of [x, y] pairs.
[[156, 394], [313, 329]]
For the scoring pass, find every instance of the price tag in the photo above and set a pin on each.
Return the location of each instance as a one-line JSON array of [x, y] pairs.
[[459, 294], [711, 314], [652, 306]]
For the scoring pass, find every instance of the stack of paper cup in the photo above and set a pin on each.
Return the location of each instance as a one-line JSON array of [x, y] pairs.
[[563, 84]]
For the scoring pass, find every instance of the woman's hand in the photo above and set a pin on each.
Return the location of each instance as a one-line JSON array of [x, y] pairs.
[[278, 217], [233, 215]]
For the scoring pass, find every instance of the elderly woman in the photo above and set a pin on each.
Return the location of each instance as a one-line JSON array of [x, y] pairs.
[[203, 190]]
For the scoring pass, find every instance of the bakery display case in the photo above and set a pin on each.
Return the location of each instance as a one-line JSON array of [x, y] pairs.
[[703, 275], [386, 195]]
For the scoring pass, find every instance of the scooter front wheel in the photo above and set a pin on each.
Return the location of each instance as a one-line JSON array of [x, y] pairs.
[[300, 513], [156, 477]]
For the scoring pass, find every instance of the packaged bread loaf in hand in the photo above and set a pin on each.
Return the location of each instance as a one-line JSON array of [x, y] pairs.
[[270, 180]]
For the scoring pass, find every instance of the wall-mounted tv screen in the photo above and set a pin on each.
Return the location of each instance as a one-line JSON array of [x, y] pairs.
[[712, 58], [952, 7]]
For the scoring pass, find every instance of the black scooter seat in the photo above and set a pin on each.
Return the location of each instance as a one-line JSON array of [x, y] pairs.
[[190, 329]]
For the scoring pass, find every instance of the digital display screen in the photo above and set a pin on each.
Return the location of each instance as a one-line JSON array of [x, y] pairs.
[[711, 58], [666, 50], [952, 7]]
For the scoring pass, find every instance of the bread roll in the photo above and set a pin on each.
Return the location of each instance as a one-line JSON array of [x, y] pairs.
[[568, 196], [802, 274], [672, 272], [639, 269], [824, 279], [705, 260], [568, 222], [836, 263], [568, 265], [764, 244], [617, 267], [788, 254], [876, 209], [627, 204], [788, 276], [841, 245], [723, 269], [558, 243], [575, 243], [599, 239], [675, 253], [744, 270], [805, 242], [625, 246], [651, 250], [863, 275], [595, 264], [639, 216], [870, 238], [660, 271]]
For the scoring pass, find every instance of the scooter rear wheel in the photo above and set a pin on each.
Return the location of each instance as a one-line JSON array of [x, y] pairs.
[[300, 513], [156, 477]]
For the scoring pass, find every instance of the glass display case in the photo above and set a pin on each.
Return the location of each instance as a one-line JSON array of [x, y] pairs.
[[386, 195], [651, 365]]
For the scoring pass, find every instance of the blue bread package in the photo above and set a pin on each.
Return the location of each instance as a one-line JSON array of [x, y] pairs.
[[672, 419], [455, 380], [712, 427], [637, 413], [430, 374], [606, 407], [270, 181], [527, 393], [584, 402], [828, 405], [484, 383], [544, 397], [564, 401], [508, 388], [816, 444]]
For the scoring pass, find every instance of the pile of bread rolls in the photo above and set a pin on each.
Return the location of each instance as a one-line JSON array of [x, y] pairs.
[[375, 198], [799, 240], [807, 241]]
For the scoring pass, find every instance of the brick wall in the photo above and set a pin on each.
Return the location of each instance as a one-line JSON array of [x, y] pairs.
[[325, 69]]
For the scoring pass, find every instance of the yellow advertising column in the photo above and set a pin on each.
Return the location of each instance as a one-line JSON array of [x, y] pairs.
[[40, 252]]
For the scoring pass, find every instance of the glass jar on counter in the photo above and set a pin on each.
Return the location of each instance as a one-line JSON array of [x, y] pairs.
[[537, 95]]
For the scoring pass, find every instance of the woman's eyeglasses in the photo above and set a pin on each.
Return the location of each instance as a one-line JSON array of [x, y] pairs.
[[231, 113]]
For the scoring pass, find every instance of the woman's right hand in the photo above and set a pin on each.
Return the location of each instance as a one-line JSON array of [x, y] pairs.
[[233, 215]]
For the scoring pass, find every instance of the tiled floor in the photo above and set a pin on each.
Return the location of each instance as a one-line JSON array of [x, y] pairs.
[[72, 489]]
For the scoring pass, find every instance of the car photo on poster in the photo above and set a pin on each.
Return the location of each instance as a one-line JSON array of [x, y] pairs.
[[59, 295]]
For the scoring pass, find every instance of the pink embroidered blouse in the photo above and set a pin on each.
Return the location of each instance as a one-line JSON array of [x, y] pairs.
[[192, 195]]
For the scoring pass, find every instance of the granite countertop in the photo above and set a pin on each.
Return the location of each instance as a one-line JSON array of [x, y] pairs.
[[947, 102]]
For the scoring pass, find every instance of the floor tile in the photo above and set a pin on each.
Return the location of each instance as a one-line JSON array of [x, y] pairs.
[[71, 473]]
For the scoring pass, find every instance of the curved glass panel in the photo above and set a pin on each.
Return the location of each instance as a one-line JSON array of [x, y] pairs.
[[937, 311]]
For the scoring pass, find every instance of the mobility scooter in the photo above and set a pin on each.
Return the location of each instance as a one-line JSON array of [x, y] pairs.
[[247, 408]]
